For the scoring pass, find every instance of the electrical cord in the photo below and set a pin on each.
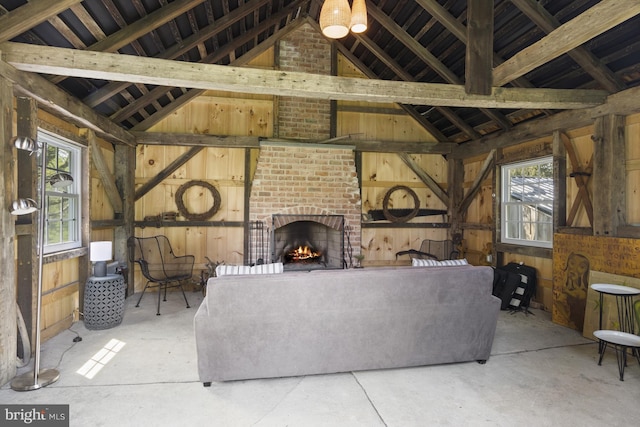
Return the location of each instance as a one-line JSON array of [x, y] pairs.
[[75, 340]]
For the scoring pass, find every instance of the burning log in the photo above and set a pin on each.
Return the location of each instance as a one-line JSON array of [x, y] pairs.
[[303, 254]]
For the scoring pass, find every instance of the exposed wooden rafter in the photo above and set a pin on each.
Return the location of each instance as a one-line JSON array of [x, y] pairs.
[[108, 66], [595, 21]]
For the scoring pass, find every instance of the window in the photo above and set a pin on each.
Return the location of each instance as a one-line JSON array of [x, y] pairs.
[[527, 203], [62, 216]]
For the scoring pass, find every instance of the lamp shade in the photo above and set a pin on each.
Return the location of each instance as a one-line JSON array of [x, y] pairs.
[[26, 143], [61, 180], [100, 251], [23, 206], [335, 18], [359, 16]]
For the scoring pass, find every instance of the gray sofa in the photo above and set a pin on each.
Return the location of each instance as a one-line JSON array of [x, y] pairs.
[[303, 323]]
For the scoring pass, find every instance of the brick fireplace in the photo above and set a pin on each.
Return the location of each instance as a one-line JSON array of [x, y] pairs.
[[306, 183]]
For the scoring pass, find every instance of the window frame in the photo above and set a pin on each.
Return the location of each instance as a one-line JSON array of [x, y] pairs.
[[505, 204], [71, 222]]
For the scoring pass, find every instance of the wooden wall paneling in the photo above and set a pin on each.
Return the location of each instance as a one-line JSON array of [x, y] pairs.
[[171, 153], [197, 238], [60, 293], [225, 244], [366, 121], [633, 169]]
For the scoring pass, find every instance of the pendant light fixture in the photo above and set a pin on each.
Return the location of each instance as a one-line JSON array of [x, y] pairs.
[[359, 16], [335, 18]]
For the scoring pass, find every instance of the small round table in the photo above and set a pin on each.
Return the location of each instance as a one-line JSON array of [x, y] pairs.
[[621, 341], [624, 301], [104, 301], [625, 337]]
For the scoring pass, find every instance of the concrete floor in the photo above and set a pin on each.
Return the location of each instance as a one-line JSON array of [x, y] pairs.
[[539, 374]]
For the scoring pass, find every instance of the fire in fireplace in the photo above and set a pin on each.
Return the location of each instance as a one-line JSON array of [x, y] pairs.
[[309, 241], [303, 254]]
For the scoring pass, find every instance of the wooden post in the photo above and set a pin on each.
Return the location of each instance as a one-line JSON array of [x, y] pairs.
[[125, 165], [609, 195], [8, 329], [84, 266], [479, 56], [559, 182], [455, 190]]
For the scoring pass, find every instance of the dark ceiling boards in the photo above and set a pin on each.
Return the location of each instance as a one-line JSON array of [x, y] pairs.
[[412, 40]]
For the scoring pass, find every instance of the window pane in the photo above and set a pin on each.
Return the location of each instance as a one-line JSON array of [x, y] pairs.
[[67, 213], [62, 226], [53, 233], [527, 202]]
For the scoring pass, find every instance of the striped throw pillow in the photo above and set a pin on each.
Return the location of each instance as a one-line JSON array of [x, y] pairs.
[[454, 262], [224, 270], [415, 262]]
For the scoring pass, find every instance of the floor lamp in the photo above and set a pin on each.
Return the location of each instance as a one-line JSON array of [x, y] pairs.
[[38, 378]]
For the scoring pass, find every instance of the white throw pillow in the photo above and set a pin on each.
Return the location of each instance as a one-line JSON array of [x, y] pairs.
[[274, 268]]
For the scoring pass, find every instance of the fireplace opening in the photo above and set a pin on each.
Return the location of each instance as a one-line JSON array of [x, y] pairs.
[[303, 254], [308, 242]]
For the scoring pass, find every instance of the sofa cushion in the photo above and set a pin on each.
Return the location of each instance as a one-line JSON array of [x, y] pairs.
[[416, 262], [273, 268]]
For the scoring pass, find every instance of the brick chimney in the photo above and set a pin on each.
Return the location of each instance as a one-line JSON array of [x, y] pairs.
[[306, 178]]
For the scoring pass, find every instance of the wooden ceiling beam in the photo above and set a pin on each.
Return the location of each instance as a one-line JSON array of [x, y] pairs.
[[213, 58], [56, 101], [428, 58], [116, 67], [621, 103], [178, 49], [247, 57], [583, 56], [385, 58], [593, 22], [144, 25], [30, 15], [479, 53]]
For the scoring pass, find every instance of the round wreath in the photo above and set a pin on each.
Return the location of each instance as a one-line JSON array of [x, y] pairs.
[[200, 216], [410, 215]]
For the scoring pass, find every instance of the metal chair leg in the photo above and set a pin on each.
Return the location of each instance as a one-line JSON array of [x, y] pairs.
[[159, 294], [185, 296], [142, 294]]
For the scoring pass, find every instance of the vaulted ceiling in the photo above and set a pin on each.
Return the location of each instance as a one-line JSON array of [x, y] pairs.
[[586, 46]]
